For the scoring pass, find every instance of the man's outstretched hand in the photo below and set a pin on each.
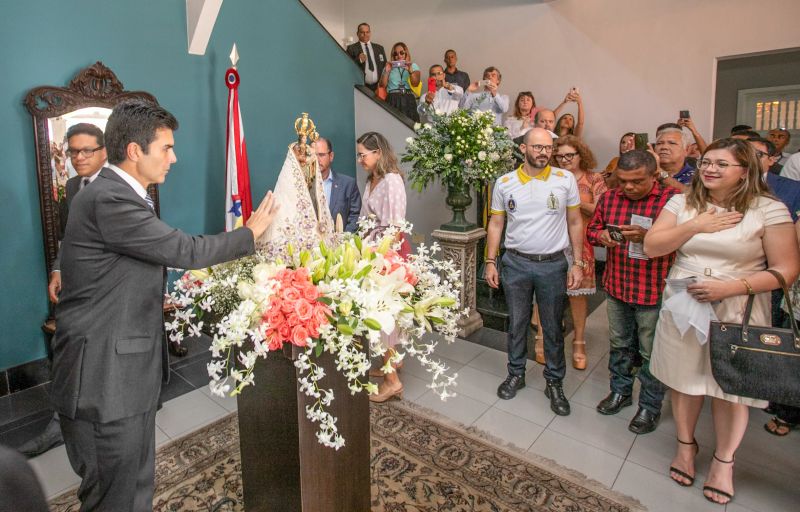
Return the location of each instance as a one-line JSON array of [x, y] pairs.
[[263, 216]]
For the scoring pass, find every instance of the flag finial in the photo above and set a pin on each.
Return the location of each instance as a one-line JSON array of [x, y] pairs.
[[234, 56]]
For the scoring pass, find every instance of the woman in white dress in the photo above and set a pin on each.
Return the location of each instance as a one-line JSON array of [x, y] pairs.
[[385, 199], [727, 229]]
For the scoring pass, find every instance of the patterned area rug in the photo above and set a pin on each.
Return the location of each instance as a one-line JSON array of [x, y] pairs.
[[420, 463]]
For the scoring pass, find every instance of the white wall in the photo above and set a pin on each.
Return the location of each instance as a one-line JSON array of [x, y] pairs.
[[331, 14], [427, 211], [636, 62]]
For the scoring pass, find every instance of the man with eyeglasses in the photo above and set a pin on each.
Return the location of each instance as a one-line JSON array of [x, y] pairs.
[[341, 191], [484, 96], [634, 284], [540, 208], [369, 56], [87, 153], [442, 101]]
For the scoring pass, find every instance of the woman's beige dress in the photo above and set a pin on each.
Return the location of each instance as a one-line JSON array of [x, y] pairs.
[[681, 362]]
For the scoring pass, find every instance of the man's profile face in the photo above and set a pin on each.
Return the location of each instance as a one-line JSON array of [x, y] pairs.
[[363, 33], [763, 156], [85, 166], [324, 157], [670, 148], [450, 58], [636, 183], [780, 138], [546, 119], [492, 76], [153, 166]]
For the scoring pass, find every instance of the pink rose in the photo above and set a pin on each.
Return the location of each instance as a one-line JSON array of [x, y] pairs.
[[303, 309], [301, 275], [284, 332], [320, 314], [290, 294], [292, 319], [310, 292], [300, 336]]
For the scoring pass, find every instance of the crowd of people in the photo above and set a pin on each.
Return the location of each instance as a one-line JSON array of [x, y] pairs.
[[666, 212]]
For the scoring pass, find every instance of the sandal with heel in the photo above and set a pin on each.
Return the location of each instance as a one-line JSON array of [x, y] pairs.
[[684, 474], [718, 491], [579, 360]]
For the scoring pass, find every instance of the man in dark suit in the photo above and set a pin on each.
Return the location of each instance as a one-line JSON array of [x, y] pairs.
[[341, 190], [107, 349], [368, 55]]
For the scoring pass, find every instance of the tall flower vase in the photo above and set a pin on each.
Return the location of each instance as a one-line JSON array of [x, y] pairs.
[[458, 199]]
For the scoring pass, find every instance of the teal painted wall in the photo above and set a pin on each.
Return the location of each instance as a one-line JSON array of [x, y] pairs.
[[288, 65]]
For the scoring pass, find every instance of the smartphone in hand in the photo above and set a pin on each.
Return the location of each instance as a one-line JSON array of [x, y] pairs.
[[431, 84], [640, 141], [615, 233], [684, 114]]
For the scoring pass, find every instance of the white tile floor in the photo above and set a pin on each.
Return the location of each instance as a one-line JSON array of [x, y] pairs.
[[598, 446]]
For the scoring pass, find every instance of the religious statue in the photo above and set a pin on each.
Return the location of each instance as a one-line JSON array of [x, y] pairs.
[[303, 218]]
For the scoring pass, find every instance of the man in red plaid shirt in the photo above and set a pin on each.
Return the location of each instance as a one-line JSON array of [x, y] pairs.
[[633, 282]]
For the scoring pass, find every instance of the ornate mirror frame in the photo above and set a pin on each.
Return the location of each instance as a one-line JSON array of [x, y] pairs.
[[94, 86]]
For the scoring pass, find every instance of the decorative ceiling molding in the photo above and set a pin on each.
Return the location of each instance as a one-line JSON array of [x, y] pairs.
[[200, 18]]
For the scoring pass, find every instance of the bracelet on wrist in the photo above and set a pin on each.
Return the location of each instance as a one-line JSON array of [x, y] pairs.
[[493, 262], [747, 285]]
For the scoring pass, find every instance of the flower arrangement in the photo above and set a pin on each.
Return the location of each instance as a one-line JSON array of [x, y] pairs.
[[463, 148], [323, 299]]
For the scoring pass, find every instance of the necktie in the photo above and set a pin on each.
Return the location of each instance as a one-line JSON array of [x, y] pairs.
[[84, 182], [149, 201], [370, 62]]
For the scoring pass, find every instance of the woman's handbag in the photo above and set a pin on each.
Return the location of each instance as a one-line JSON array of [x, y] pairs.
[[755, 361], [381, 93]]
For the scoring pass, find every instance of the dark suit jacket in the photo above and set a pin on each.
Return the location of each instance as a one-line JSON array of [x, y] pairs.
[[345, 200], [379, 56], [72, 187], [107, 349], [788, 191]]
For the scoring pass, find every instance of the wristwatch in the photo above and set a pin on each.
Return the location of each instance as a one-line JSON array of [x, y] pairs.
[[662, 175], [580, 264]]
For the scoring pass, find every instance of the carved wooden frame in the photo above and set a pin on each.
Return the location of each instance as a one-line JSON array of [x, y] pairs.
[[94, 86]]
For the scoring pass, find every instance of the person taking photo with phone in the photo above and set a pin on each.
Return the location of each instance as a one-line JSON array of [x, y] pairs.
[[442, 96], [399, 76], [483, 95]]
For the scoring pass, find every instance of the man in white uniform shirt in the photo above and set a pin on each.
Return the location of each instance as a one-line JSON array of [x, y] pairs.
[[369, 56], [443, 101], [541, 207]]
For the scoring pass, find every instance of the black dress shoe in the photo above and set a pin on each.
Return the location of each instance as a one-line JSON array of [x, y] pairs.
[[644, 422], [613, 403], [508, 389], [558, 402], [47, 440]]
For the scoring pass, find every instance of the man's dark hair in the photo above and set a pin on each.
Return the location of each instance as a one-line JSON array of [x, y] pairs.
[[135, 121], [328, 143], [448, 51], [771, 149], [749, 134], [362, 24], [430, 69], [666, 126], [635, 159], [86, 129], [740, 127]]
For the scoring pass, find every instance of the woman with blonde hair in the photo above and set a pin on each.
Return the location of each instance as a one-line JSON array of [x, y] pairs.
[[400, 77], [727, 229], [385, 200]]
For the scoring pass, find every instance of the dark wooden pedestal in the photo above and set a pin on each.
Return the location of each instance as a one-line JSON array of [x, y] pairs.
[[284, 468]]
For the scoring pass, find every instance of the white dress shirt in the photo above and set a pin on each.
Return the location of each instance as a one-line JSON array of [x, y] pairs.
[[370, 77], [791, 169], [444, 102]]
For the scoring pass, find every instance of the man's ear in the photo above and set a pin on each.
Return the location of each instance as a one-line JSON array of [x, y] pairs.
[[331, 156], [133, 151]]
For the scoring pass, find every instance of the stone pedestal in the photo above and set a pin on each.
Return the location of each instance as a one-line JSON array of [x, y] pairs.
[[461, 247]]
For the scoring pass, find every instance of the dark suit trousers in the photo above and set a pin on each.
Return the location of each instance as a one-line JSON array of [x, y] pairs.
[[371, 87], [115, 460]]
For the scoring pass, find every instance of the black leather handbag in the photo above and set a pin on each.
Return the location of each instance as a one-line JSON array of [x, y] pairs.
[[755, 361]]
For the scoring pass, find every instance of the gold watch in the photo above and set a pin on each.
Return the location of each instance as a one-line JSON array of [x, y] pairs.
[[580, 264]]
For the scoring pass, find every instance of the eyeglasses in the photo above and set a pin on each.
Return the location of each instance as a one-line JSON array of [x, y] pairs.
[[320, 155], [398, 54], [761, 154], [539, 148], [566, 157], [719, 164], [361, 156], [85, 153]]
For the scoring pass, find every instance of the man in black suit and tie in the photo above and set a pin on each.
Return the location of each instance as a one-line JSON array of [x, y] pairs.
[[341, 190], [368, 55], [107, 349]]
